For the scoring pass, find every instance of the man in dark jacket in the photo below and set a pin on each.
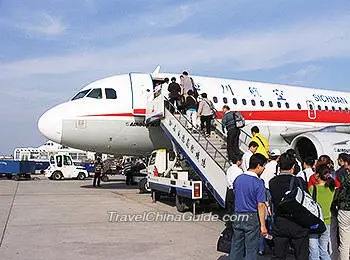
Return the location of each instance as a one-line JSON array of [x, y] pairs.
[[174, 93], [98, 172], [228, 121], [285, 229]]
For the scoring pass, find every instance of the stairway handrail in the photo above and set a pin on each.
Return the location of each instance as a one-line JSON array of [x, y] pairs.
[[227, 161]]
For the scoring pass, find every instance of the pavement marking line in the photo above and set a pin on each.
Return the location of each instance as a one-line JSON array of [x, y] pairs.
[[8, 215]]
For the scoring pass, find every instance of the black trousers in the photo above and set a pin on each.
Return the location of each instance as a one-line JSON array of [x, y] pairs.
[[171, 106], [97, 177], [206, 120], [285, 233], [128, 179], [233, 142], [230, 201]]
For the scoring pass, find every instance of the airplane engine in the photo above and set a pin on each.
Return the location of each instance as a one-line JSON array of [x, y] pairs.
[[315, 144]]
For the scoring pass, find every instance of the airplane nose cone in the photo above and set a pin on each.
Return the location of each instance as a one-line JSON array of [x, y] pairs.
[[50, 125]]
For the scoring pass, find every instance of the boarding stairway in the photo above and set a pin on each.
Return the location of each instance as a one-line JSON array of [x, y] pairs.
[[207, 155]]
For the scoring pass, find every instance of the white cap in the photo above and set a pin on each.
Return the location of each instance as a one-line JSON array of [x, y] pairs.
[[275, 152]]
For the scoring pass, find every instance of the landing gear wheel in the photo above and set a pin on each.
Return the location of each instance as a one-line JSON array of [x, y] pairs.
[[181, 203], [104, 178], [143, 186], [57, 176], [81, 176]]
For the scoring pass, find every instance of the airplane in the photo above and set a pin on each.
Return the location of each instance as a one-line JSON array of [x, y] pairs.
[[108, 115]]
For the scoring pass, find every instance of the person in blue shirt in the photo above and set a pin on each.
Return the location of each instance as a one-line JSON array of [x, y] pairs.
[[250, 210]]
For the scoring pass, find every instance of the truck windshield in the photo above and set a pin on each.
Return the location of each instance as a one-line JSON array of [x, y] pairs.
[[152, 159]]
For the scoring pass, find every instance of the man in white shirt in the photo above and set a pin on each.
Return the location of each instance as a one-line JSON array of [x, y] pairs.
[[271, 167], [232, 173], [308, 163], [252, 147]]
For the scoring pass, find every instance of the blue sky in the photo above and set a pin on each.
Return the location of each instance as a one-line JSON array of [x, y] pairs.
[[52, 48]]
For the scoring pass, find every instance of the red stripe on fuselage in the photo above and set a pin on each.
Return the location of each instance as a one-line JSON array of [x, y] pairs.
[[296, 116], [275, 115]]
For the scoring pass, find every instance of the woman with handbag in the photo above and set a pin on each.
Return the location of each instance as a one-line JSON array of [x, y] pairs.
[[205, 113]]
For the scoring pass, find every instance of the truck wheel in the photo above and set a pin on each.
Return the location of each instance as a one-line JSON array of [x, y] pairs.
[[57, 175], [15, 177], [181, 204], [81, 176], [9, 176], [104, 178], [143, 186]]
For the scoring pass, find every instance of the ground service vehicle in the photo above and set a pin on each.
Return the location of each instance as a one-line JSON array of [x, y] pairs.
[[169, 174], [62, 167]]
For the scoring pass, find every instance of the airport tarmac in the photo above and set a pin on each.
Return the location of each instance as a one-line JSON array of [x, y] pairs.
[[43, 219]]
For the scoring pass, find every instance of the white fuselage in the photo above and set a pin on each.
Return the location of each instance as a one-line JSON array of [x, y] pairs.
[[113, 122]]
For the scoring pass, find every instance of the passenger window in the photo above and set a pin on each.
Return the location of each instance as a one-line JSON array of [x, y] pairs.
[[81, 94], [59, 160], [333, 108], [311, 107], [347, 110], [299, 106], [279, 104], [234, 101], [215, 99], [287, 105], [340, 109], [253, 102], [270, 104], [95, 93], [244, 102], [224, 100], [262, 103], [110, 93], [319, 107], [326, 108], [67, 160]]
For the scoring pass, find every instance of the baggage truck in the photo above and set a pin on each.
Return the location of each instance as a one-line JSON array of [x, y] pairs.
[[14, 169]]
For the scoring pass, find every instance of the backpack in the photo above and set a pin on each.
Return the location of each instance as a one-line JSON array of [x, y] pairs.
[[302, 208], [239, 119]]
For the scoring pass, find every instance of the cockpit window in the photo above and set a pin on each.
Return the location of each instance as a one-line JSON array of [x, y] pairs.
[[95, 93], [110, 93], [81, 94]]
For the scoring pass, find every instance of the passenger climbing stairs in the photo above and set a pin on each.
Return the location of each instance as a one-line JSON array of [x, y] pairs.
[[207, 155]]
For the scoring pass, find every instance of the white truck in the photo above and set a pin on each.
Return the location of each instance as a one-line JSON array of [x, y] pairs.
[[62, 167], [171, 175]]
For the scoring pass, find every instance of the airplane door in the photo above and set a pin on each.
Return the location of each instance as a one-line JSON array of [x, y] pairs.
[[311, 110], [141, 87]]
